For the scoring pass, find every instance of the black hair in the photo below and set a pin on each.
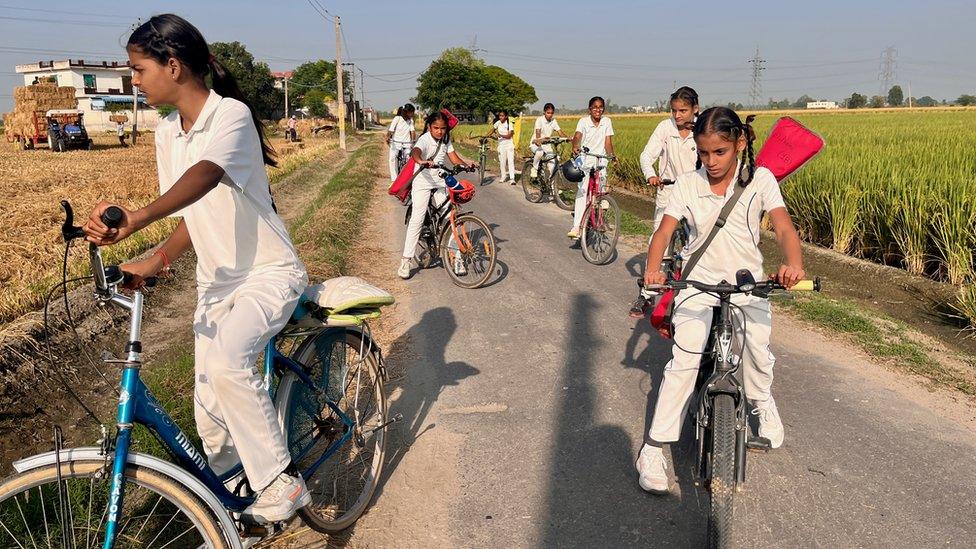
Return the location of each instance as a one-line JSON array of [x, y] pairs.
[[548, 106], [594, 99], [434, 117], [725, 122], [498, 112], [686, 94], [170, 36], [399, 111], [407, 108]]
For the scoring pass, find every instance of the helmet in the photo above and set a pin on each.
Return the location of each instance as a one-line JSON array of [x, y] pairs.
[[463, 194], [572, 172]]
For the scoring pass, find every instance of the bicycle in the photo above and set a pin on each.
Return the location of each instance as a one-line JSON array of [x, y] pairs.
[[721, 425], [403, 153], [547, 179], [463, 241], [671, 264], [483, 156], [599, 228], [329, 396]]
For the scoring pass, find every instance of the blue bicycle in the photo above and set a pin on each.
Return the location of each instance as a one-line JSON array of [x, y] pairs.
[[327, 387]]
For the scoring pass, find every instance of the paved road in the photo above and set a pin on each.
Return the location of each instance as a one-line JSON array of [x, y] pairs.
[[526, 402]]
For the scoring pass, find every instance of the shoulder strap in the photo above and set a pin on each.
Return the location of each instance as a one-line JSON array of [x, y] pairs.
[[416, 173], [719, 223]]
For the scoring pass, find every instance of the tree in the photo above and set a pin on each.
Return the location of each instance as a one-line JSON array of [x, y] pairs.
[[316, 75], [513, 92], [895, 96], [857, 101], [461, 56], [314, 100], [966, 100], [456, 86], [801, 102], [877, 102], [254, 78], [926, 101], [781, 104]]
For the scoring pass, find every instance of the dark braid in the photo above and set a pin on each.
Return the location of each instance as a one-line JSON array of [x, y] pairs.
[[726, 122]]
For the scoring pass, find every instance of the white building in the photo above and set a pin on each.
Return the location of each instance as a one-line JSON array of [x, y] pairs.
[[97, 84], [822, 105]]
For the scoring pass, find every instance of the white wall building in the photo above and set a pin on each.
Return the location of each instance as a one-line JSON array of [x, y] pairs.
[[97, 84], [822, 105]]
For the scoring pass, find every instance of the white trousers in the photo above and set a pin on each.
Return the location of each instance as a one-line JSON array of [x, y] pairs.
[[419, 198], [692, 324], [580, 204], [506, 158], [395, 148], [660, 204], [235, 417], [537, 154]]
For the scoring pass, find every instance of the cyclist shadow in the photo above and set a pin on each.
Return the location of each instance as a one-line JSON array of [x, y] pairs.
[[421, 377], [593, 499]]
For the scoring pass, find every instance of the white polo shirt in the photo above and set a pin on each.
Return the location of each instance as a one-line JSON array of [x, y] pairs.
[[545, 127], [234, 228], [594, 136], [401, 129], [505, 127], [429, 150], [678, 154], [736, 245]]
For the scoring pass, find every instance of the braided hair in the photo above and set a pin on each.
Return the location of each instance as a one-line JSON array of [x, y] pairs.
[[169, 36], [725, 122]]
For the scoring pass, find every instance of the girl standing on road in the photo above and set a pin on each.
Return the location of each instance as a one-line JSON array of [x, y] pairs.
[[545, 125], [400, 136], [211, 155], [699, 196], [595, 132], [672, 141], [433, 147], [505, 131]]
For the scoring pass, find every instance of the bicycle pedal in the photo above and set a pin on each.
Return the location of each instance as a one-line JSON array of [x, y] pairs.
[[758, 444]]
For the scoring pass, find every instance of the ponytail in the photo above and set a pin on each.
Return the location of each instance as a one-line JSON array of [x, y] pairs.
[[725, 122], [170, 36]]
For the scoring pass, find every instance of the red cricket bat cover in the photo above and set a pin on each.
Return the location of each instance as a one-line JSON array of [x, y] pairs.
[[400, 187], [789, 146]]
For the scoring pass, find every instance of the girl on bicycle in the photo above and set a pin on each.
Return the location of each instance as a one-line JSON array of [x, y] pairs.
[[433, 148], [505, 131], [673, 143], [545, 125], [699, 196], [400, 136], [595, 132], [211, 155]]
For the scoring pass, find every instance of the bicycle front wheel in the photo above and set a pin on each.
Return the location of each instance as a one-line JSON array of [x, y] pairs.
[[721, 484], [563, 191], [157, 511], [532, 186], [341, 464], [482, 160], [601, 229], [470, 257]]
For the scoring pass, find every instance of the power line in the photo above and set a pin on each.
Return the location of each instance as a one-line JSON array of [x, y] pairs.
[[321, 11], [60, 21], [62, 12], [755, 91], [18, 49]]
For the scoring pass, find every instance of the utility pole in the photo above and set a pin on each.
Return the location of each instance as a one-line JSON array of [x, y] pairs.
[[362, 94], [342, 98], [352, 96], [135, 99], [909, 94], [755, 92], [286, 97], [886, 69]]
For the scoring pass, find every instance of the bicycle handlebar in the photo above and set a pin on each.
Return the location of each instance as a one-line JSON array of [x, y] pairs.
[[453, 170], [586, 151], [760, 288], [666, 182]]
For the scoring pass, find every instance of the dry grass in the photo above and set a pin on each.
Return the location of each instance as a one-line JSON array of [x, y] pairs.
[[34, 182]]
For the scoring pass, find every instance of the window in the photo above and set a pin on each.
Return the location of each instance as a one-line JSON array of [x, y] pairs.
[[90, 86], [127, 85]]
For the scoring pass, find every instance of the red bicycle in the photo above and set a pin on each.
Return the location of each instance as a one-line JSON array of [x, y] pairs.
[[599, 227]]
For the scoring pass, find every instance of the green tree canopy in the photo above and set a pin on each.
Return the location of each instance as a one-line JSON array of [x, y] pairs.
[[254, 78], [926, 101], [458, 80], [801, 102], [877, 102], [857, 101], [895, 96], [314, 100], [514, 93], [966, 100]]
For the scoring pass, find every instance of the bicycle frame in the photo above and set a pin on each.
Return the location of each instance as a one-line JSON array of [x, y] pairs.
[[593, 194]]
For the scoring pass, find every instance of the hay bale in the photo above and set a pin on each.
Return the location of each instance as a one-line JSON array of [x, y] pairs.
[[43, 96]]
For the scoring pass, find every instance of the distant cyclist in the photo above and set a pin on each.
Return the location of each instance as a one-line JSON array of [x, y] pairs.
[[595, 132], [401, 135], [545, 126]]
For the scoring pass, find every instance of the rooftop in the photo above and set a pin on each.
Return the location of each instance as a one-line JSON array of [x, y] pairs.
[[47, 66]]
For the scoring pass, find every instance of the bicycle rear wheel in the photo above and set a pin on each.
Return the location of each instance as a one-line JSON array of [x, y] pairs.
[[721, 484], [471, 261], [482, 161], [347, 374], [601, 229], [563, 191], [157, 511], [532, 186]]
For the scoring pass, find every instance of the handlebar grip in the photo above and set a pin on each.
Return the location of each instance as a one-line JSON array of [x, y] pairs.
[[666, 182], [112, 217], [148, 282], [807, 286]]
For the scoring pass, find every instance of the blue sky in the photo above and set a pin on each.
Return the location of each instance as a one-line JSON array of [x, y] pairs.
[[629, 52]]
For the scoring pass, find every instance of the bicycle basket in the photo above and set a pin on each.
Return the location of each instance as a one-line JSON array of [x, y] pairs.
[[463, 194]]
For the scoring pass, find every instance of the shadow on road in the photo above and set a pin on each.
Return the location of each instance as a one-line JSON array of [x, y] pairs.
[[593, 499]]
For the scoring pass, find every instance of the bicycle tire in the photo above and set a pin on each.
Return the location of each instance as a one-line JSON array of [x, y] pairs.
[[141, 484], [482, 265], [563, 192], [599, 242], [298, 404], [532, 186], [482, 160], [721, 485]]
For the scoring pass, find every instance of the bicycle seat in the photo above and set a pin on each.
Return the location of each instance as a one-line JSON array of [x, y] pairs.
[[345, 300]]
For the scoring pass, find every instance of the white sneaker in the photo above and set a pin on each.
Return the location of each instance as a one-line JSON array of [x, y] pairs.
[[459, 268], [535, 172], [279, 500], [770, 425], [653, 469], [404, 270]]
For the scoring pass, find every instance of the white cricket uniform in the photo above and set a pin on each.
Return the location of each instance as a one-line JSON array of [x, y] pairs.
[[425, 183], [544, 128], [401, 129], [677, 155], [736, 246], [506, 149], [594, 139], [249, 279]]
